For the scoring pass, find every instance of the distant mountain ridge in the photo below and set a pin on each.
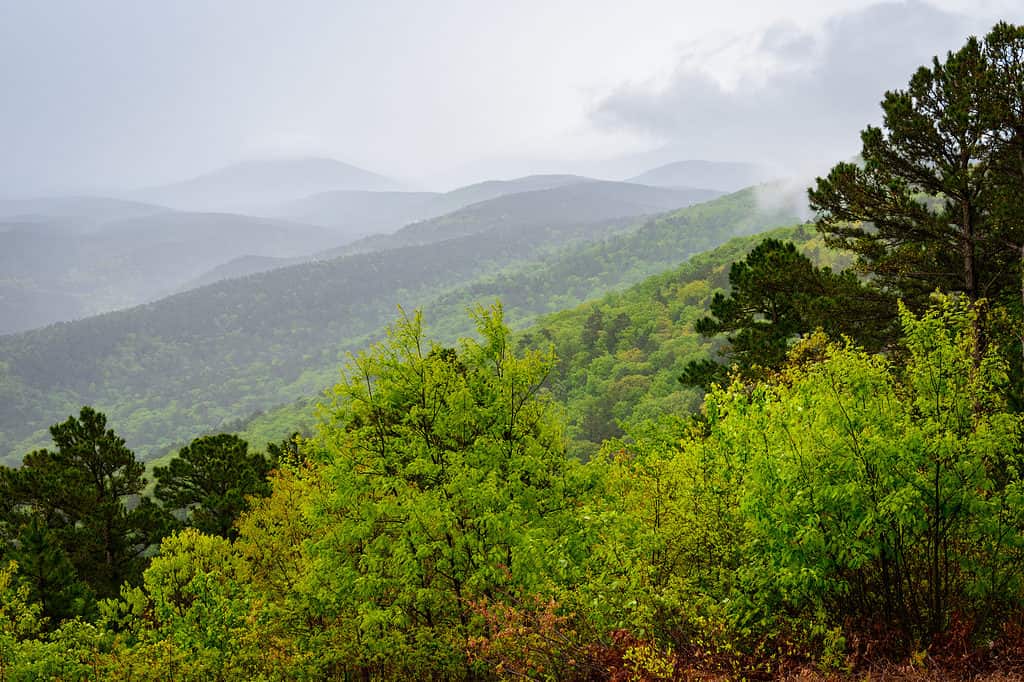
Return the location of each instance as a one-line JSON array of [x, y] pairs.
[[252, 186], [575, 202], [54, 271], [524, 202], [69, 257], [492, 189], [723, 176], [358, 213], [77, 213]]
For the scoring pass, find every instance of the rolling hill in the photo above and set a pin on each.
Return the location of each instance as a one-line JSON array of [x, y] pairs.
[[619, 354], [569, 200], [78, 214], [354, 213], [357, 213], [567, 204], [167, 370]]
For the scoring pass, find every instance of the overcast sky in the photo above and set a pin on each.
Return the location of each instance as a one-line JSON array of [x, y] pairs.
[[100, 95]]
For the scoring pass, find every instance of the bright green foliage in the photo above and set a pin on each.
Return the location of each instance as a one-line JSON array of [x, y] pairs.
[[191, 618], [273, 533], [200, 615], [610, 377], [845, 488], [619, 358], [448, 476], [68, 652], [869, 494], [189, 363], [436, 528], [20, 617], [210, 479], [655, 520]]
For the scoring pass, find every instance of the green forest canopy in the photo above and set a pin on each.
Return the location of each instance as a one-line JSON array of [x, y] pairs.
[[828, 510]]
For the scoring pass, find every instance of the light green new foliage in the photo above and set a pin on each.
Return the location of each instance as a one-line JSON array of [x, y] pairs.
[[446, 476], [190, 619], [845, 487], [20, 618], [669, 533], [972, 482], [71, 651], [876, 495]]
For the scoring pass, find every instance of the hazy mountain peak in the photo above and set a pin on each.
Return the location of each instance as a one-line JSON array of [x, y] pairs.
[[256, 184], [725, 176]]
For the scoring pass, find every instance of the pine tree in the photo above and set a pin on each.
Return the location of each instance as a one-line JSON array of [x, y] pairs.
[[80, 493], [210, 478]]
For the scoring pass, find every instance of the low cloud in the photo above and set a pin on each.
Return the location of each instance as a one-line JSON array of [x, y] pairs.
[[801, 97]]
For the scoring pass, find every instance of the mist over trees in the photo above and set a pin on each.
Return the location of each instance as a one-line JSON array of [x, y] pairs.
[[798, 454]]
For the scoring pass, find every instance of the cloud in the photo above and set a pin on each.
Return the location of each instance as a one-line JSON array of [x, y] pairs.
[[801, 97]]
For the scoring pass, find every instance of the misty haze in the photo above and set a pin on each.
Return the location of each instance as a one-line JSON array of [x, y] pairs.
[[547, 340]]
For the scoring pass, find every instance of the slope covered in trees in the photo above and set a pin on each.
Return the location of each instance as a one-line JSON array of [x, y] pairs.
[[435, 526], [619, 355], [71, 267], [556, 202], [567, 204], [846, 503], [82, 213], [224, 351]]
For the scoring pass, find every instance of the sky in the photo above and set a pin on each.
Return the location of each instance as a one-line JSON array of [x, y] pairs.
[[101, 96]]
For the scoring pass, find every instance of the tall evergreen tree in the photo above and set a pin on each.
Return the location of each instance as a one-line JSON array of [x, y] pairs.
[[916, 212], [210, 478], [80, 493], [1004, 50], [44, 566], [939, 200], [777, 295]]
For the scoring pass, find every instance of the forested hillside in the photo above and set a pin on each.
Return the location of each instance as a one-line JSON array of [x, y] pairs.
[[569, 203], [554, 202], [81, 213], [619, 356], [542, 438], [221, 352], [73, 267], [65, 258]]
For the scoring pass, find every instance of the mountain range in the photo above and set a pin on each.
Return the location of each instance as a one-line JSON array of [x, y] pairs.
[[718, 175], [255, 186], [211, 355], [65, 258]]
